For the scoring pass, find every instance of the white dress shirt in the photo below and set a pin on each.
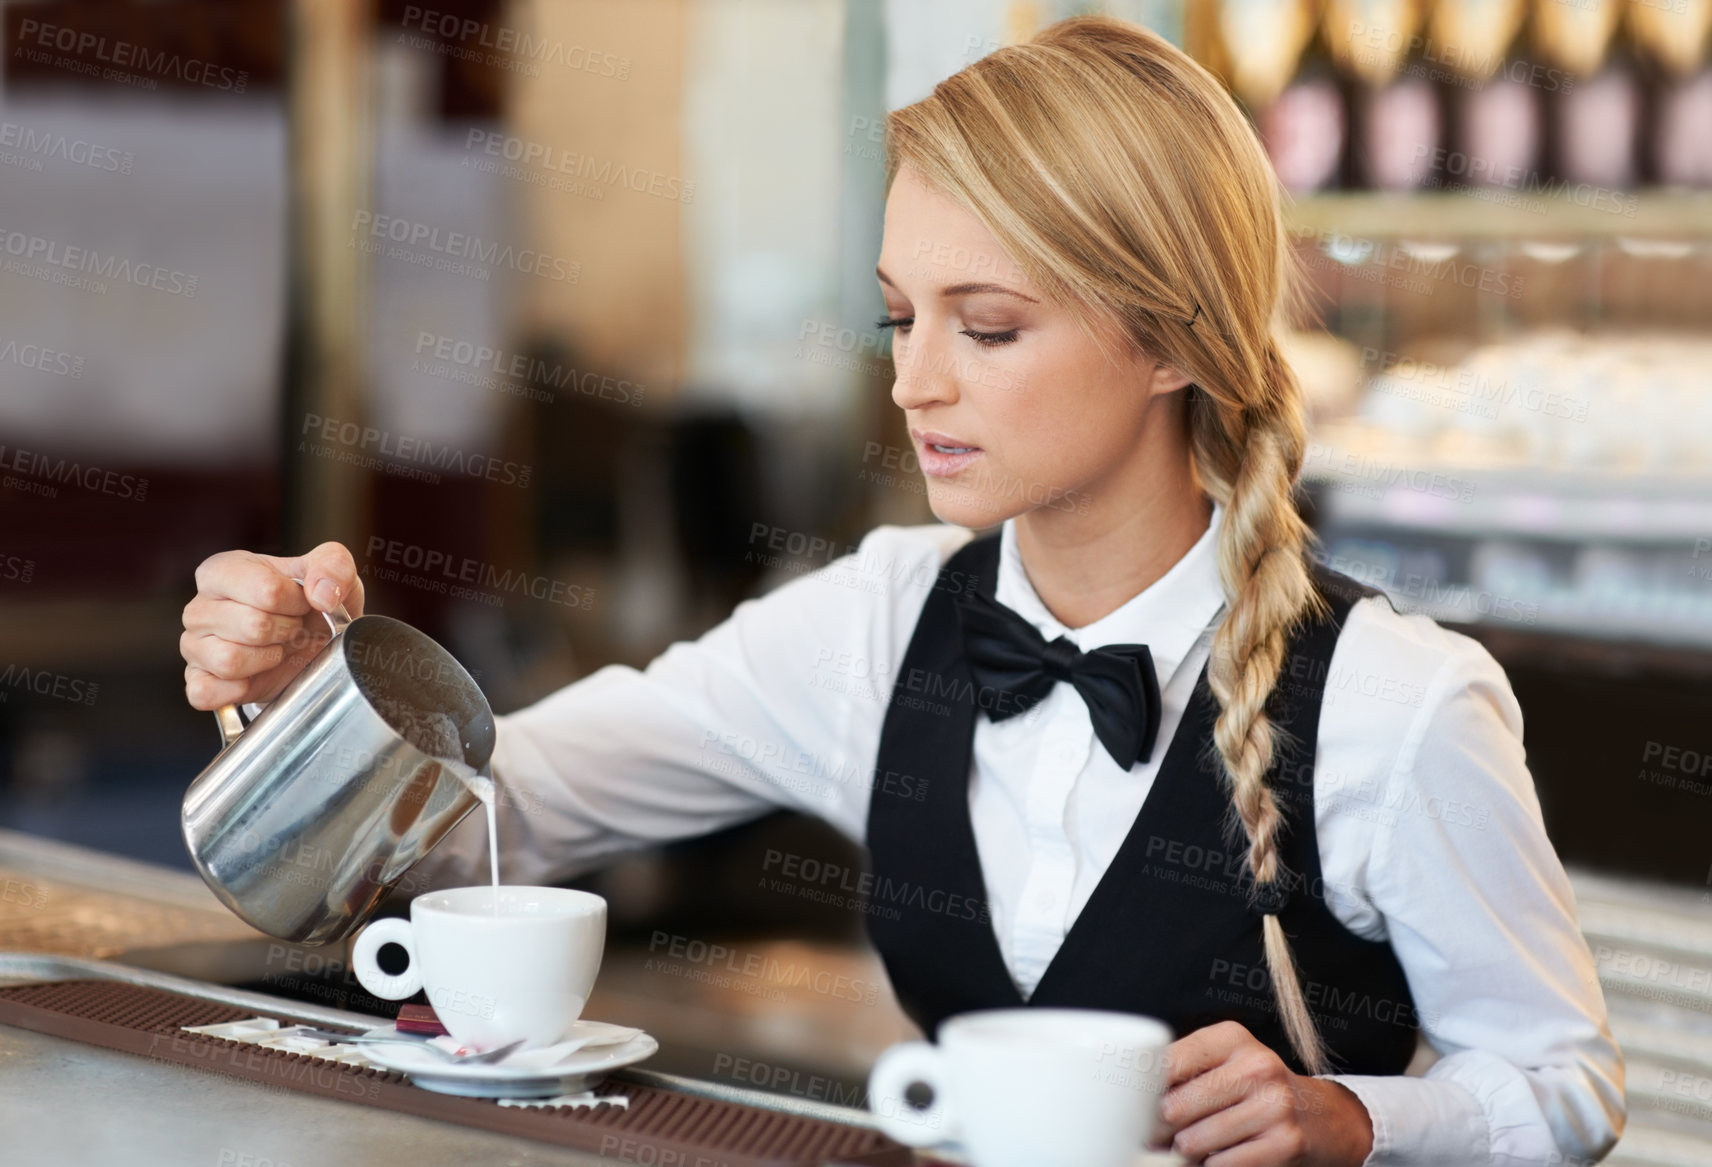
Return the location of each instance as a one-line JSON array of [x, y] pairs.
[[1429, 829]]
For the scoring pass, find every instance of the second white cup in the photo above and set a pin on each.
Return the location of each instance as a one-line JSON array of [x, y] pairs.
[[521, 973], [1026, 1087]]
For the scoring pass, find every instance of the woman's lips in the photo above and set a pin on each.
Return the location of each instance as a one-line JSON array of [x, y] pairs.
[[941, 455]]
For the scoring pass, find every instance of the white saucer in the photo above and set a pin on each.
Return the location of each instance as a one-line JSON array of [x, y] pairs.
[[578, 1072]]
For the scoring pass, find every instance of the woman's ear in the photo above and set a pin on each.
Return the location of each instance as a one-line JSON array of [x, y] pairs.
[[1167, 379]]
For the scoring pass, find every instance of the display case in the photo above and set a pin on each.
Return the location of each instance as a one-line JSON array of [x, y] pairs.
[[1502, 216]]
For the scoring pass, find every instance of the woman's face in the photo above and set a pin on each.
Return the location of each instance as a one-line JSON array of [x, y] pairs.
[[1011, 408]]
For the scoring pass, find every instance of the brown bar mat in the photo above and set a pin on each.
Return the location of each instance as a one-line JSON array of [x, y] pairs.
[[658, 1126]]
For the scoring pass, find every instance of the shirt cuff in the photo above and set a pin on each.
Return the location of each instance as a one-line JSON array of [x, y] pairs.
[[1420, 1122]]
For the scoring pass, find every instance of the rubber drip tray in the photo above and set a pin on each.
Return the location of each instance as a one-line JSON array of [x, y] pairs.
[[658, 1126]]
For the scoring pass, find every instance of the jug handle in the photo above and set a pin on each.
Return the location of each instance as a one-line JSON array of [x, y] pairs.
[[231, 725]]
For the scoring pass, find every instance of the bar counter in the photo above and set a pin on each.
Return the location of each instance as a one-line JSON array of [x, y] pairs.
[[71, 913]]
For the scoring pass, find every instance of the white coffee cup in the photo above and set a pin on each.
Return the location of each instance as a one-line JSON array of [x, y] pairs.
[[1026, 1087], [523, 973]]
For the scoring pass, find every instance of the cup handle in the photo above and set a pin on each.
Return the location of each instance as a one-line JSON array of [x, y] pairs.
[[385, 985], [905, 1065], [231, 725]]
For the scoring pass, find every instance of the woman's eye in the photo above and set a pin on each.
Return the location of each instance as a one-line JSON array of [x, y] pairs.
[[988, 339]]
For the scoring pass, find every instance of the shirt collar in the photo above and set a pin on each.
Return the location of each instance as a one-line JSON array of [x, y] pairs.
[[1168, 616]]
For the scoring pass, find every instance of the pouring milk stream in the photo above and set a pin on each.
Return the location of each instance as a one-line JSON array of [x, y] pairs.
[[436, 735]]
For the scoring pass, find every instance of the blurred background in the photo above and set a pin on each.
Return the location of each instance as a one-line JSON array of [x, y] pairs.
[[559, 315]]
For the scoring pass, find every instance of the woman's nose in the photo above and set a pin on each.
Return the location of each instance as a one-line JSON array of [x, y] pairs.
[[923, 376]]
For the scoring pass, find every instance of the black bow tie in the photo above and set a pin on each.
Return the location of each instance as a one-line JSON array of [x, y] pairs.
[[1006, 653]]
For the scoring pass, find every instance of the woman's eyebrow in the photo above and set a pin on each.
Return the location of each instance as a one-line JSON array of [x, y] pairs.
[[966, 289]]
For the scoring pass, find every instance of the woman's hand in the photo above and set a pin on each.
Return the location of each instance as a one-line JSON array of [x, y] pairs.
[[1232, 1102], [250, 629]]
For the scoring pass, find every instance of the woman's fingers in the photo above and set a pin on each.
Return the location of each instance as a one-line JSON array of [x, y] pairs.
[[1276, 1148], [227, 660], [207, 692], [1228, 1092], [1234, 1125], [251, 627], [252, 580], [240, 623], [329, 576], [1193, 1055], [1202, 1096], [1234, 1103]]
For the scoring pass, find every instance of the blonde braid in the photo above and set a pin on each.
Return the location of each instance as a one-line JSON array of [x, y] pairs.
[[1263, 564]]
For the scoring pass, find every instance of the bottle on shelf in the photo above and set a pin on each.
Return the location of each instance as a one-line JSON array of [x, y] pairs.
[[1268, 52], [1395, 111], [1594, 132], [1496, 93], [1671, 42]]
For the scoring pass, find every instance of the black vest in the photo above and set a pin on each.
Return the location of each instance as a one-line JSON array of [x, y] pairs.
[[1169, 931]]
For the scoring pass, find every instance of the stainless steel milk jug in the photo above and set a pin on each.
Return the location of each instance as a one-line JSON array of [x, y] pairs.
[[311, 812]]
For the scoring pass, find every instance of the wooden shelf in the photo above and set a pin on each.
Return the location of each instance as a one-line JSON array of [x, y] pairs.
[[1502, 214]]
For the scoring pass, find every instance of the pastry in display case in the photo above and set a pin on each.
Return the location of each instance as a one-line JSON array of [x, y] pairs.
[[1557, 480]]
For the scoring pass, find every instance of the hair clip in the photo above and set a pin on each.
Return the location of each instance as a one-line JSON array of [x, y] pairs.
[[1195, 317]]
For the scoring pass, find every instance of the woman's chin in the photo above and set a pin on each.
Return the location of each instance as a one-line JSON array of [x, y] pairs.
[[961, 507]]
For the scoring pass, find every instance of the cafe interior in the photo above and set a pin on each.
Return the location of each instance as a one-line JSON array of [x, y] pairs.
[[671, 375]]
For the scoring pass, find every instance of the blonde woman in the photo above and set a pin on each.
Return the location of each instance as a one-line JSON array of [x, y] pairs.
[[1135, 750]]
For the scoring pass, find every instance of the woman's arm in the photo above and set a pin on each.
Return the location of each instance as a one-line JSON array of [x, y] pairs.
[[1459, 875], [1430, 836], [780, 705]]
